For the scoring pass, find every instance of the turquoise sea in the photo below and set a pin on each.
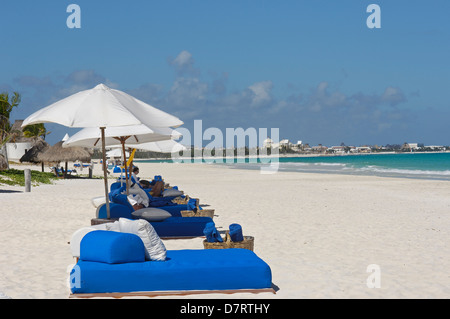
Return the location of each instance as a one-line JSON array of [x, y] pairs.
[[410, 165]]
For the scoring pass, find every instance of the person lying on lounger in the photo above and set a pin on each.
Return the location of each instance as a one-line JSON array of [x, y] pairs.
[[137, 189]]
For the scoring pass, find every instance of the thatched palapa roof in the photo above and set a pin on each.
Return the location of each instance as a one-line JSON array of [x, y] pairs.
[[57, 153], [31, 156]]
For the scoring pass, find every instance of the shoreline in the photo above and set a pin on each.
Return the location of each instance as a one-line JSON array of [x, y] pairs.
[[285, 156]]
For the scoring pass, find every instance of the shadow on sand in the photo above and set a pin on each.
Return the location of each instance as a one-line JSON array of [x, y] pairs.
[[9, 191]]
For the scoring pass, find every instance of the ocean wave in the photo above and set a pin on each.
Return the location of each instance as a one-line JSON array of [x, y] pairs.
[[312, 165], [330, 164], [405, 171], [361, 166]]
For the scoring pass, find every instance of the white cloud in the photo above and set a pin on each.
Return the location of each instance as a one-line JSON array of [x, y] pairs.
[[184, 64], [183, 58], [261, 93], [323, 112], [393, 96], [187, 92]]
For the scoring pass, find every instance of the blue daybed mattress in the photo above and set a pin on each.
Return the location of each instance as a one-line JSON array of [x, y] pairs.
[[102, 269], [181, 226], [208, 269]]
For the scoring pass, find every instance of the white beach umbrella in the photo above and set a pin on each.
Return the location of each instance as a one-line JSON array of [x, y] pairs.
[[117, 135], [121, 136], [167, 146], [102, 107], [116, 152], [65, 138]]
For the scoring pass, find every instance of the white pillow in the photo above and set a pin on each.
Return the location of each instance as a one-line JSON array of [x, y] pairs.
[[113, 226], [154, 247], [152, 214]]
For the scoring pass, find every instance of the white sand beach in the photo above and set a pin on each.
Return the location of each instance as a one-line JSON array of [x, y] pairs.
[[318, 232]]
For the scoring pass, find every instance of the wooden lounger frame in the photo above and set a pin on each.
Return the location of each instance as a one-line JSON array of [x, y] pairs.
[[168, 293]]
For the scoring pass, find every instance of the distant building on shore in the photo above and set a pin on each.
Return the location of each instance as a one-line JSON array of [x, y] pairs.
[[286, 146], [410, 146], [268, 143]]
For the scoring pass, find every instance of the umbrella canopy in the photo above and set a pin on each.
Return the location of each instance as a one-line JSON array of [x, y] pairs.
[[116, 152], [114, 136], [168, 146], [121, 135], [102, 107], [65, 138]]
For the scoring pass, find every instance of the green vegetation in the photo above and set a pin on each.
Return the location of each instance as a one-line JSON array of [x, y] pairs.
[[7, 104], [16, 177], [35, 131]]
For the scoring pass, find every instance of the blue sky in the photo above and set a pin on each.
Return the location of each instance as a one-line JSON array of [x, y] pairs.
[[313, 69]]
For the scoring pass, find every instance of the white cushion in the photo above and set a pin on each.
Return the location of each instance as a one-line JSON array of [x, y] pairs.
[[76, 238], [80, 233], [97, 201], [154, 247], [152, 214]]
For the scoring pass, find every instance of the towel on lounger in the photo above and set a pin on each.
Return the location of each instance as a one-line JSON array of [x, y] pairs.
[[236, 232], [192, 204], [211, 233]]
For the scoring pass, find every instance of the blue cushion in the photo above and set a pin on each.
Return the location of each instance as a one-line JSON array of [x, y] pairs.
[[181, 226], [121, 199], [161, 201], [116, 190], [116, 185], [116, 211], [175, 210], [111, 247], [205, 269], [117, 169], [119, 210]]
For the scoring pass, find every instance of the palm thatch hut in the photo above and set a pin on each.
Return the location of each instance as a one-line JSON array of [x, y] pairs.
[[57, 154], [31, 156]]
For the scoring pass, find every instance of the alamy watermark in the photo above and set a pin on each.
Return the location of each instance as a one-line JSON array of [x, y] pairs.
[[74, 19], [236, 145], [74, 278], [374, 19]]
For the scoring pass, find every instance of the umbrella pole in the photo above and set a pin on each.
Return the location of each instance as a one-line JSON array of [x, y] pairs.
[[105, 174]]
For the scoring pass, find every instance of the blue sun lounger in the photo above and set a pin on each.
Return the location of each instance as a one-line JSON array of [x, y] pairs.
[[123, 208], [112, 264], [172, 227]]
